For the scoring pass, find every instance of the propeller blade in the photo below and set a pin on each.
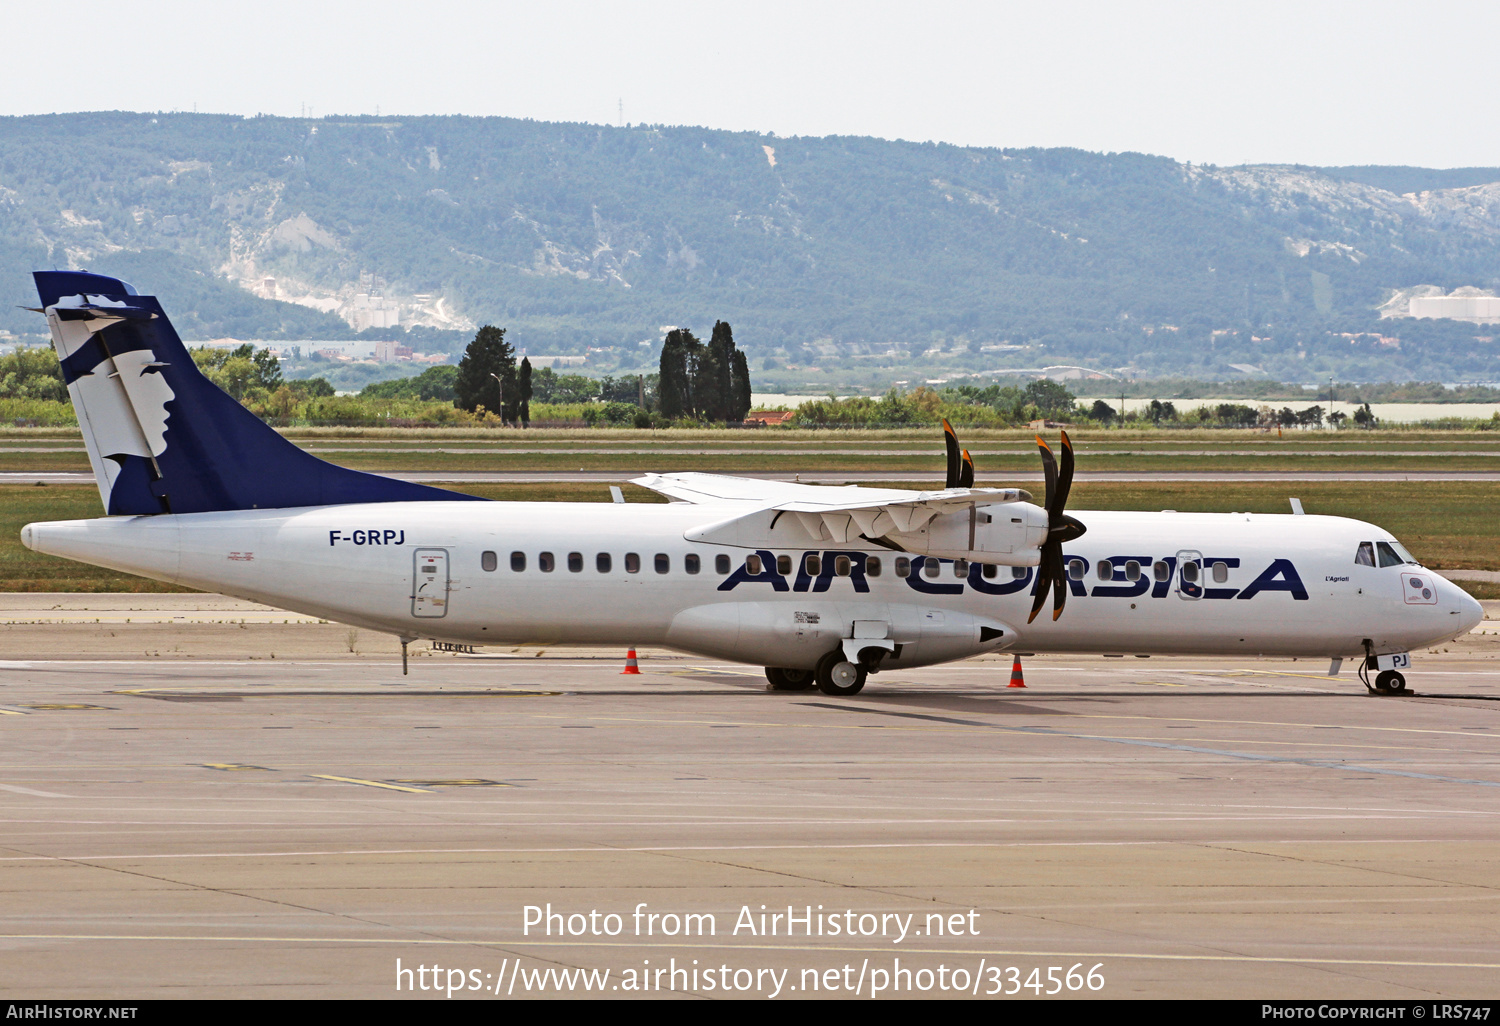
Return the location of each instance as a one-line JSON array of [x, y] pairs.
[[1044, 576], [966, 474], [950, 442], [1059, 585], [1049, 471], [1064, 480]]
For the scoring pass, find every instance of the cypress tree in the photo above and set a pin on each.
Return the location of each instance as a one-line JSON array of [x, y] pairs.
[[681, 355], [712, 383], [487, 357], [524, 389], [739, 386]]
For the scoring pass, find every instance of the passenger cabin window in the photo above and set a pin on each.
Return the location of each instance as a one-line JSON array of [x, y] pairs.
[[783, 565], [691, 563], [1365, 554], [575, 562], [960, 568], [931, 567], [544, 562], [632, 562], [872, 566], [721, 564], [903, 566], [488, 561], [602, 561], [989, 571], [518, 561], [1160, 570], [1221, 572], [842, 566], [1190, 572], [813, 564], [752, 565], [1106, 570], [1133, 570], [1075, 569], [663, 562], [1018, 572]]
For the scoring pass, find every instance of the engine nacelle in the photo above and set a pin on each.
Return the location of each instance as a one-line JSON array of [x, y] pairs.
[[1006, 534]]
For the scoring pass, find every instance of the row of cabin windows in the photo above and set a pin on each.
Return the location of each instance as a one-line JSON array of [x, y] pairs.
[[1161, 570], [812, 564], [546, 562]]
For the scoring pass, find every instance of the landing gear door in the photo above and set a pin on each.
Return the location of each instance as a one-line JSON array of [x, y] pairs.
[[429, 585], [1190, 574]]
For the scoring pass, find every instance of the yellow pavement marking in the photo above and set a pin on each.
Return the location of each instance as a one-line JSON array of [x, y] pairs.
[[69, 705], [474, 782], [11, 712], [234, 766], [371, 783]]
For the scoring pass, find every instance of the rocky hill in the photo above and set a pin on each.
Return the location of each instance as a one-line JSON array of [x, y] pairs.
[[817, 250]]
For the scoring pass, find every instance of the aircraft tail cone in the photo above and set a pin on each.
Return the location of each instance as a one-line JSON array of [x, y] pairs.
[[1016, 680], [631, 666]]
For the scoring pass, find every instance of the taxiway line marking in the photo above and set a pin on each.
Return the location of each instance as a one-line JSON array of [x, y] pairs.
[[371, 783], [598, 850], [17, 789], [698, 943]]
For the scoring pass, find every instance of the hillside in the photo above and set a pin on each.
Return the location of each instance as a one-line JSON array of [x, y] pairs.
[[895, 257]]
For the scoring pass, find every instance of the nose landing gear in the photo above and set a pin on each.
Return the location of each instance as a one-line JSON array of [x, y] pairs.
[[1387, 682]]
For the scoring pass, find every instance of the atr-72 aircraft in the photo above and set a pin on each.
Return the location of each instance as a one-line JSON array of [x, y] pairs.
[[821, 585]]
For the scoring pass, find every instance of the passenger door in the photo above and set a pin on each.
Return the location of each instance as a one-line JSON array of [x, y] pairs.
[[1190, 574], [429, 585]]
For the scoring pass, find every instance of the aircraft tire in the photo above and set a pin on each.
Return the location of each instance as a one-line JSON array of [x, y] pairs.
[[838, 676], [789, 679], [1390, 680]]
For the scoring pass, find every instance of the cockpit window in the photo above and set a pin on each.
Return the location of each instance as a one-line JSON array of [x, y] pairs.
[[1406, 557], [1389, 556], [1365, 554]]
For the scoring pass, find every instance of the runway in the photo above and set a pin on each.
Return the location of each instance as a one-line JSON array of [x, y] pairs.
[[233, 827]]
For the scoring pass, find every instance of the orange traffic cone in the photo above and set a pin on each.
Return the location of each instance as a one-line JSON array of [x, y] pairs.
[[1016, 680], [630, 664]]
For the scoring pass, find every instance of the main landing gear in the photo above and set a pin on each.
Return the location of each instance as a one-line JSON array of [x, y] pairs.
[[781, 679], [834, 675]]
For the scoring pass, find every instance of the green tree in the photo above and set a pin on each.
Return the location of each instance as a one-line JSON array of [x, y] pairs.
[[32, 373], [523, 389], [1051, 398], [711, 385], [739, 387], [680, 356], [488, 361]]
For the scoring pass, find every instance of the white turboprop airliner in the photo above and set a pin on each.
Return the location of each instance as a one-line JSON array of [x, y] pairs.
[[817, 584]]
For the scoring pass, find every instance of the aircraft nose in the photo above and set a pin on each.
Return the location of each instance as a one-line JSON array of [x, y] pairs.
[[1469, 612]]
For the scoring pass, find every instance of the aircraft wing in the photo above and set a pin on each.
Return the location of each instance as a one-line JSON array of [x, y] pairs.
[[824, 513]]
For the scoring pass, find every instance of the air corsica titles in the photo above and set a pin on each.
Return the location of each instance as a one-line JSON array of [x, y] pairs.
[[1281, 575]]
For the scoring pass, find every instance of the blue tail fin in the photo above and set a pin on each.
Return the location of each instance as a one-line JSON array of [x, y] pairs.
[[161, 437]]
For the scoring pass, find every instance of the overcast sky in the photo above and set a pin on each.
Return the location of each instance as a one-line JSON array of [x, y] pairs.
[[1307, 82]]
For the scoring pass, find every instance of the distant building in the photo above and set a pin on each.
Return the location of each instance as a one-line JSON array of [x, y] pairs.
[[554, 362], [1479, 309]]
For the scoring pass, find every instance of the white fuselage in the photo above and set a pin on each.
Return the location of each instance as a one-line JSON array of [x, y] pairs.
[[1290, 585]]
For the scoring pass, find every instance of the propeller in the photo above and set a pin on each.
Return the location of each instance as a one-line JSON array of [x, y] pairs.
[[1061, 528], [955, 461]]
